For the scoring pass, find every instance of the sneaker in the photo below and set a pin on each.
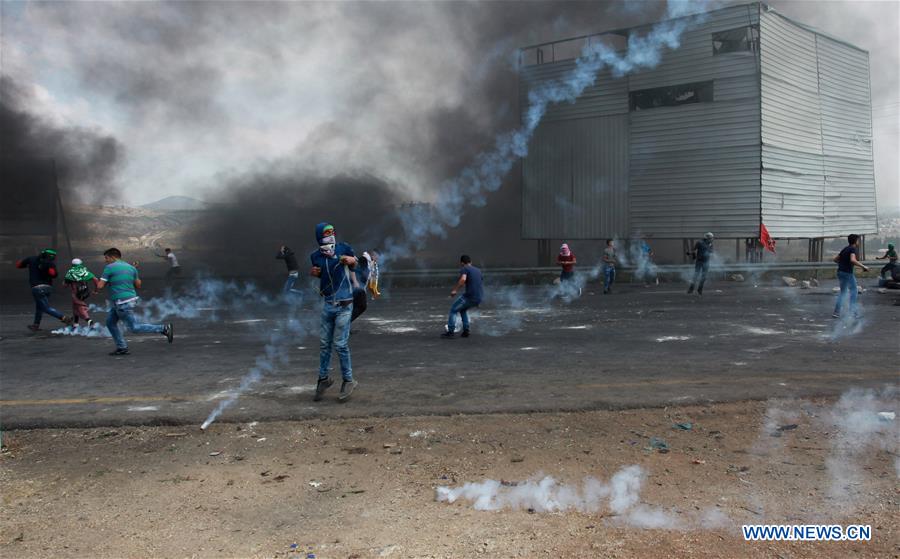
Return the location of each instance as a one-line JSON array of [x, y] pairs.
[[34, 327], [90, 324], [700, 291], [465, 334], [120, 351], [448, 335], [690, 289], [347, 389], [67, 320], [169, 332], [321, 387], [835, 315]]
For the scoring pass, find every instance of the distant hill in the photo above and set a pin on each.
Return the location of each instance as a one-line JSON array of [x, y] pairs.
[[176, 203]]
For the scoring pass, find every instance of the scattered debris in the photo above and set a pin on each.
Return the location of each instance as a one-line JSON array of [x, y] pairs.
[[517, 459], [736, 277], [506, 483], [315, 483], [176, 434], [281, 477], [814, 282], [789, 281], [756, 512], [395, 451], [261, 439], [659, 444], [687, 426], [805, 284], [882, 290], [389, 445], [356, 450], [887, 415], [215, 453], [789, 427]]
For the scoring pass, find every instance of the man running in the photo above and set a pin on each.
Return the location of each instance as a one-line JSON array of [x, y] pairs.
[[124, 282], [41, 271], [174, 270], [846, 261], [332, 263], [470, 278]]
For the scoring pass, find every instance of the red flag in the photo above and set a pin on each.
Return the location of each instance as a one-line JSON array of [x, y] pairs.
[[765, 239]]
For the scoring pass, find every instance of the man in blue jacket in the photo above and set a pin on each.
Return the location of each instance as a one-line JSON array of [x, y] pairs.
[[333, 263]]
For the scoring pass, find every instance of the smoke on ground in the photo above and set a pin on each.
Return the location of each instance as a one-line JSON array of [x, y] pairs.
[[621, 497]]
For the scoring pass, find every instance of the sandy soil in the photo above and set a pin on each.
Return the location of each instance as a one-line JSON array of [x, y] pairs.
[[367, 487]]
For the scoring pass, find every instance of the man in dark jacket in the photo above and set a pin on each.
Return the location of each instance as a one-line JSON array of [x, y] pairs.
[[41, 271], [290, 260], [333, 263], [702, 254]]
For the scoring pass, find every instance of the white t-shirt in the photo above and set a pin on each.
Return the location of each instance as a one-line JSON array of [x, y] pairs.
[[173, 262]]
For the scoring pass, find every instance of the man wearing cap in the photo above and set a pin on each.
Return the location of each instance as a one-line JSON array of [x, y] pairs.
[[702, 253], [333, 263], [124, 282], [41, 271]]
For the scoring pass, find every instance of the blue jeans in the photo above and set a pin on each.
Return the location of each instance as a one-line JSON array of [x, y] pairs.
[[848, 283], [335, 333], [291, 280], [461, 305], [125, 313], [41, 294], [701, 268], [609, 276]]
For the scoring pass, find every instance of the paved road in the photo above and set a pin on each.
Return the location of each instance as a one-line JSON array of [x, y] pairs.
[[640, 346]]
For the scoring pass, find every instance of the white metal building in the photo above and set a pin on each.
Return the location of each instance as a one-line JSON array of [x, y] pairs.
[[754, 119]]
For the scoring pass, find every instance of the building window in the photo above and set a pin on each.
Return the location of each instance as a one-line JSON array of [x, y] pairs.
[[671, 96], [742, 39]]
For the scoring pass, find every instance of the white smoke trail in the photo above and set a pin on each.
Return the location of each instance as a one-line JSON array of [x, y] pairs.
[[486, 174], [95, 331], [275, 353], [621, 496]]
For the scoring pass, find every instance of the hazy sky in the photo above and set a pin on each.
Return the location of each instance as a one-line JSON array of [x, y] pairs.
[[199, 92]]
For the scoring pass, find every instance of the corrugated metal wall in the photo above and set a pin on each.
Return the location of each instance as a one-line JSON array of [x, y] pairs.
[[575, 177], [695, 168], [846, 138], [817, 169], [789, 144], [663, 172], [793, 171]]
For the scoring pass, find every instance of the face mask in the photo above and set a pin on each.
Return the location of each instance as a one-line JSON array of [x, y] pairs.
[[327, 246]]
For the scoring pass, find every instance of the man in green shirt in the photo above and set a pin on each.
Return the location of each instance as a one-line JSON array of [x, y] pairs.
[[891, 257], [124, 282]]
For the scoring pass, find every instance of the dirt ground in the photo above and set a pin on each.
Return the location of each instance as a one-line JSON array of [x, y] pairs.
[[367, 487]]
